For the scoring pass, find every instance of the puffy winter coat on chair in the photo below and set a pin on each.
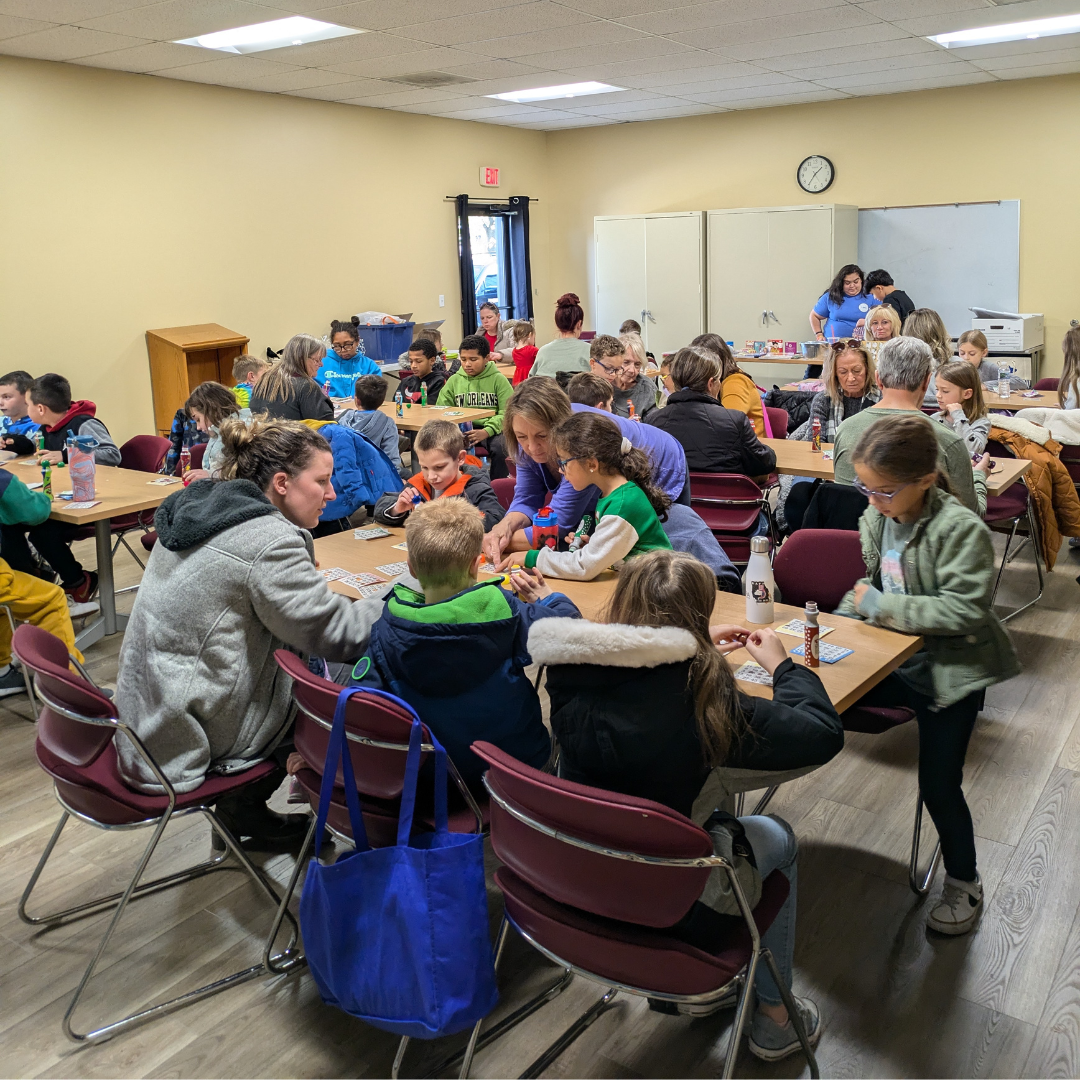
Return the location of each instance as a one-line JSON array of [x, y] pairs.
[[362, 472]]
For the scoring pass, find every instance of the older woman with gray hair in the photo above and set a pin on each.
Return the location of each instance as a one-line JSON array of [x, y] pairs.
[[288, 390]]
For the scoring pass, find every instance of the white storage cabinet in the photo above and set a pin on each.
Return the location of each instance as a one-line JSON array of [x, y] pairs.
[[767, 266], [651, 267]]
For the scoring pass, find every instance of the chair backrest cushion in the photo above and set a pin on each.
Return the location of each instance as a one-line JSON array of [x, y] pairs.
[[634, 892], [819, 565], [1046, 384], [379, 773], [711, 492], [144, 453], [504, 490], [74, 741], [778, 419]]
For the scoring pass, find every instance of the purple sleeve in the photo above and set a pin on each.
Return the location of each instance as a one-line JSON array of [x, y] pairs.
[[529, 487]]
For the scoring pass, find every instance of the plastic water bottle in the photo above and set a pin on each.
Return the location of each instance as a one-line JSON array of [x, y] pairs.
[[423, 395], [760, 586], [46, 479], [811, 635], [82, 467], [1004, 387], [545, 528]]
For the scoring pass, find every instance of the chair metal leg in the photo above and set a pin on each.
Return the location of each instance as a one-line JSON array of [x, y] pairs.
[[793, 1013], [553, 1052], [1004, 557], [496, 1031], [26, 673], [283, 907], [399, 1057], [745, 1002], [921, 885], [765, 799], [1033, 536]]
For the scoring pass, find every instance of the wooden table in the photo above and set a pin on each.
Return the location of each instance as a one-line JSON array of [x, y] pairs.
[[877, 652], [416, 416], [794, 456], [121, 492], [507, 371], [785, 358], [1047, 399]]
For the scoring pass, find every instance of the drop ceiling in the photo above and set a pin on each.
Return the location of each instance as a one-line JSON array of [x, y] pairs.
[[442, 57]]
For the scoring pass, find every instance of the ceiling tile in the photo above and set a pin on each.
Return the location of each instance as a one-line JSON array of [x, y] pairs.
[[155, 56], [672, 76], [402, 96], [640, 47], [1015, 48], [890, 82], [1039, 72], [390, 14], [296, 79], [896, 10], [794, 99], [855, 37], [488, 68], [594, 100], [709, 86], [564, 125], [341, 91], [65, 43], [825, 22], [538, 16], [65, 11], [11, 26], [802, 63], [418, 58], [347, 50], [437, 108], [723, 13], [911, 62], [1028, 60], [226, 71], [175, 19], [529, 46], [624, 9], [295, 7]]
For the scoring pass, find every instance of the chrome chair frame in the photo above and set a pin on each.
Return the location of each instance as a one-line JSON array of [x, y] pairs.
[[26, 674], [1033, 536], [742, 983], [286, 960]]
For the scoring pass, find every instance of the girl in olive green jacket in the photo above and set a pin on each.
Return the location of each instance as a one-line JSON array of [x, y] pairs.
[[931, 572]]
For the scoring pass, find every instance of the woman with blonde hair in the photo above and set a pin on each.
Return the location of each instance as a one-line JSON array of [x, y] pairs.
[[927, 325], [848, 374], [1069, 384], [287, 390], [882, 324], [645, 704]]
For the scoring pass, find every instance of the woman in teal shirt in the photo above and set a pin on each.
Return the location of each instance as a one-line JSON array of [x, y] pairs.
[[843, 306]]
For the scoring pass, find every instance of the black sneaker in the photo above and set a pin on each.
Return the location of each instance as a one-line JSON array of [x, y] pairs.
[[12, 683], [266, 831]]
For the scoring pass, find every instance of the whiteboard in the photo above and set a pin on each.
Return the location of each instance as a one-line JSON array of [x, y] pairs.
[[949, 258]]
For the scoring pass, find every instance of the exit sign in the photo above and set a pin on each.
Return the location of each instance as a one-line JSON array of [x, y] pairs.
[[489, 177]]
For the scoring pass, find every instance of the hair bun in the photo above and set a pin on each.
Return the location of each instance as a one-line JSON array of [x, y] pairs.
[[355, 320], [568, 300]]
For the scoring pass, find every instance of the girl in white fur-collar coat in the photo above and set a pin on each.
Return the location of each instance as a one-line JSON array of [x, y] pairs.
[[645, 704]]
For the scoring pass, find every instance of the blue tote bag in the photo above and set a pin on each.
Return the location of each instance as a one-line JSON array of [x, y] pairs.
[[398, 936]]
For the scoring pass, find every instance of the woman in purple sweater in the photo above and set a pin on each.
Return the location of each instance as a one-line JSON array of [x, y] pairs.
[[536, 409]]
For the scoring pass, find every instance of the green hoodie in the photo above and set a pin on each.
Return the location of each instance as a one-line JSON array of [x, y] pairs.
[[948, 567], [488, 390]]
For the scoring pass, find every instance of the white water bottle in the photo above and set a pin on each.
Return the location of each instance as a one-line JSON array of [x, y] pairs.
[[759, 582], [1004, 387]]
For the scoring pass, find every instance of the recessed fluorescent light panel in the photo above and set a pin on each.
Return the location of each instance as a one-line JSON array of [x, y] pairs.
[[550, 93], [278, 34], [1018, 31]]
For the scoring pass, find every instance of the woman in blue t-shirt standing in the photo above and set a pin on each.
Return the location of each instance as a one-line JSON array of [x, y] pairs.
[[843, 306]]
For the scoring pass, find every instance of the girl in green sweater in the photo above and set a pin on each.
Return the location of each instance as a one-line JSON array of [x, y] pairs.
[[931, 572], [593, 451]]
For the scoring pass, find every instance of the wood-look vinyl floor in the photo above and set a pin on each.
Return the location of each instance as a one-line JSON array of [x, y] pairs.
[[895, 1000]]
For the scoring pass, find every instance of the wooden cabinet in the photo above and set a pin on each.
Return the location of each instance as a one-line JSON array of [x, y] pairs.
[[767, 266], [182, 357], [651, 267]]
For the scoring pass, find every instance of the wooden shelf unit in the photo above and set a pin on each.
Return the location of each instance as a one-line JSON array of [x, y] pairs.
[[182, 357]]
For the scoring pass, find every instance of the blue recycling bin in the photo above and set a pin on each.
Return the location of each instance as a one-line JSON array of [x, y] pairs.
[[385, 342]]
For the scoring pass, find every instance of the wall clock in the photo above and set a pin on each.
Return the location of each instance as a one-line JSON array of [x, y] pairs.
[[815, 173]]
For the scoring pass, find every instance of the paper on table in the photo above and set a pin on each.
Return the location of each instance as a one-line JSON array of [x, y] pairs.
[[402, 546], [370, 533], [754, 673], [82, 505], [165, 480], [828, 654], [797, 628], [393, 569]]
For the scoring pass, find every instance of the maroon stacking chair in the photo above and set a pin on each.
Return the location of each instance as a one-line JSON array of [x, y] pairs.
[[378, 738], [1005, 513], [822, 565], [729, 504], [149, 539], [143, 453], [76, 746], [504, 490], [778, 421], [1046, 384], [595, 881]]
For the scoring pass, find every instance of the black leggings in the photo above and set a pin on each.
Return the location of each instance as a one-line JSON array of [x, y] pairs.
[[943, 742], [52, 540]]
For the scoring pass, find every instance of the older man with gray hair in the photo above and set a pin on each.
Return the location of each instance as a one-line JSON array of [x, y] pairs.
[[903, 374]]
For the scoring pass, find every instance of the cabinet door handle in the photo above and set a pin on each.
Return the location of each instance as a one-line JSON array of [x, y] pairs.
[[647, 315], [774, 318], [764, 318]]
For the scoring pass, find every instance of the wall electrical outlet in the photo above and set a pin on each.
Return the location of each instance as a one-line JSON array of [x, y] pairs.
[[442, 300]]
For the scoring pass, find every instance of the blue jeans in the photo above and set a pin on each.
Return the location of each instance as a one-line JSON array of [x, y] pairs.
[[776, 848]]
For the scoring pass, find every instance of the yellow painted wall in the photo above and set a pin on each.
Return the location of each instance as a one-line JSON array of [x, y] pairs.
[[129, 202], [1005, 140]]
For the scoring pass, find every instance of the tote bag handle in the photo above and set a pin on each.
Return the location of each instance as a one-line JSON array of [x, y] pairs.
[[337, 749]]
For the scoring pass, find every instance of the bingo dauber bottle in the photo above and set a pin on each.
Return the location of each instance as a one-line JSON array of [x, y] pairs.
[[760, 587]]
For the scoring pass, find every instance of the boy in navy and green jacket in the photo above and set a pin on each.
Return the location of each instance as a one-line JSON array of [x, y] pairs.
[[455, 648]]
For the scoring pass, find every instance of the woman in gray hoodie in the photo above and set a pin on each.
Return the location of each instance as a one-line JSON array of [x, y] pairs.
[[231, 579]]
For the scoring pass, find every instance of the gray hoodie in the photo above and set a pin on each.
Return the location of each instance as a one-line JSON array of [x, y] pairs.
[[229, 581]]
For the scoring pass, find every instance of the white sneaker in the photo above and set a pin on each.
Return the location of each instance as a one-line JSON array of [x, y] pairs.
[[76, 610], [958, 908]]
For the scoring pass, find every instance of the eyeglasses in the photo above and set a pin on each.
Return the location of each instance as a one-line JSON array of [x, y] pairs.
[[622, 367], [888, 496], [346, 346], [563, 462]]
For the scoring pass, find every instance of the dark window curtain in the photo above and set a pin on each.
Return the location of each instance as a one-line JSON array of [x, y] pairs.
[[521, 280], [465, 268]]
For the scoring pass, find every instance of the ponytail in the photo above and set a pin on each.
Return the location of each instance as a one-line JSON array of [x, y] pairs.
[[591, 435]]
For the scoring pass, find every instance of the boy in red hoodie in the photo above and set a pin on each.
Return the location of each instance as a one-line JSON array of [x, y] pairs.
[[49, 404], [525, 350]]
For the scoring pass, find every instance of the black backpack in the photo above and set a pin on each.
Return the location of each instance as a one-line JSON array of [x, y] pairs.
[[796, 403]]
